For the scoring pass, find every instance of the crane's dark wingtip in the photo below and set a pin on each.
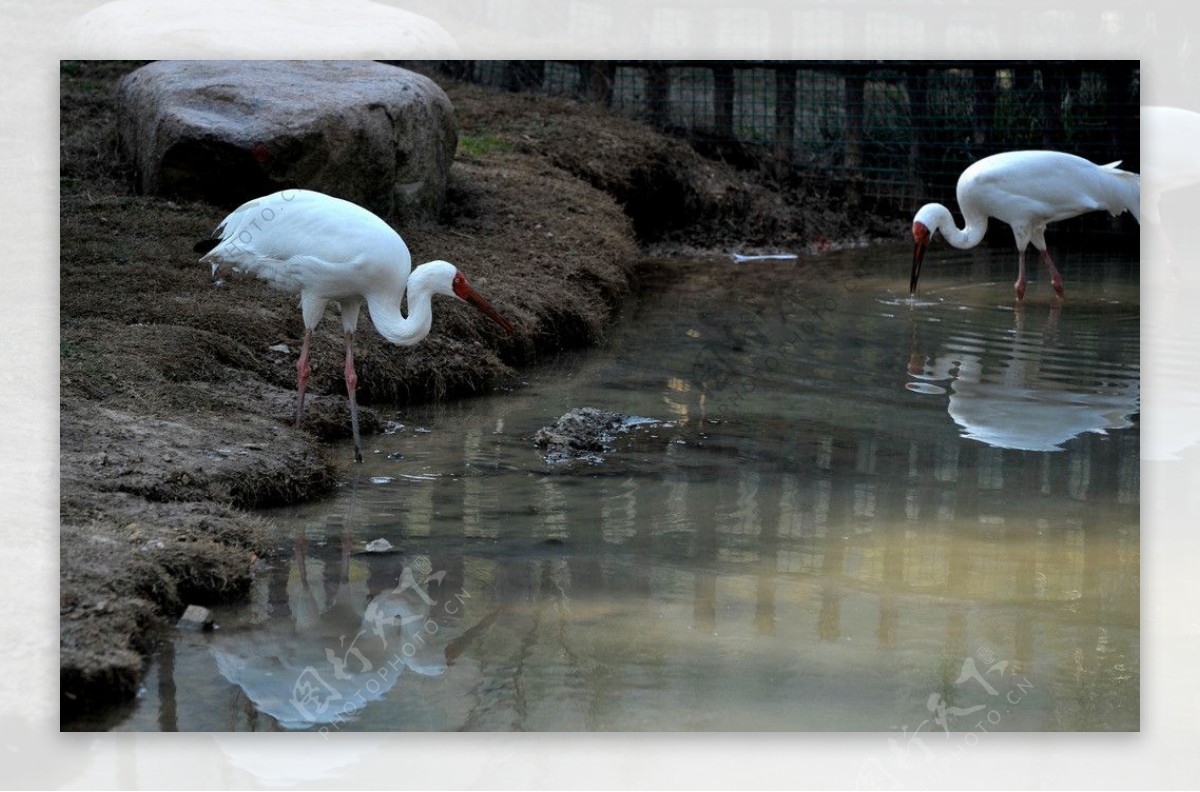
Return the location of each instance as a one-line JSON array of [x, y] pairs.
[[205, 245]]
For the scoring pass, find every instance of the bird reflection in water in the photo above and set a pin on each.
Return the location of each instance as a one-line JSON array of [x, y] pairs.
[[1022, 390], [342, 647]]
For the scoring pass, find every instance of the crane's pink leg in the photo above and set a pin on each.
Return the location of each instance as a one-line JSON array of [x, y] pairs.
[[302, 372], [351, 386], [1055, 276], [1019, 286]]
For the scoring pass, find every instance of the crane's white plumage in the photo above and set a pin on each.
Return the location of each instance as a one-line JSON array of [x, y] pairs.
[[1027, 190], [327, 249]]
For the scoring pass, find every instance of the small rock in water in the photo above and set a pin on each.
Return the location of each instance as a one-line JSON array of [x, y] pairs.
[[422, 430], [195, 619], [379, 546], [280, 348]]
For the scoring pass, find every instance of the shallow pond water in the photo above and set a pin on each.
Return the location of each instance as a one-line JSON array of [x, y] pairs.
[[856, 512]]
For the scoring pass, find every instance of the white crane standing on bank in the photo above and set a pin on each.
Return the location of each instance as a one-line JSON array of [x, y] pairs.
[[1027, 190], [324, 248]]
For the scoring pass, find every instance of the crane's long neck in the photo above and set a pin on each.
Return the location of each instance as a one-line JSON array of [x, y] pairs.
[[393, 325], [967, 237]]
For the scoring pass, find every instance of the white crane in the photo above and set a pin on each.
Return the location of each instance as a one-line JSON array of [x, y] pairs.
[[1027, 190], [327, 249]]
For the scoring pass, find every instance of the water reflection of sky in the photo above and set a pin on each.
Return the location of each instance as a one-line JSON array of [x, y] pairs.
[[810, 545]]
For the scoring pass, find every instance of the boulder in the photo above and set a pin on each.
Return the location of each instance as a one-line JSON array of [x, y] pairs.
[[228, 131]]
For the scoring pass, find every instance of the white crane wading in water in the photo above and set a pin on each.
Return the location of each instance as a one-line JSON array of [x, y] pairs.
[[1027, 190]]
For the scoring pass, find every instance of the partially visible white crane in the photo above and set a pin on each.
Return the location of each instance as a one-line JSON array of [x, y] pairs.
[[1170, 161]]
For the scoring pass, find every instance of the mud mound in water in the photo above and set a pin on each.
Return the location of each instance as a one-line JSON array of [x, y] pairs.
[[584, 435]]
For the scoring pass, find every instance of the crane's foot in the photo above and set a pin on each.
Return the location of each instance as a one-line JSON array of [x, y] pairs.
[[1057, 282], [1055, 276], [351, 389], [1019, 290], [354, 427]]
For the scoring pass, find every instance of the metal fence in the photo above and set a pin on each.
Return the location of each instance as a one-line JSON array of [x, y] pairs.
[[898, 133]]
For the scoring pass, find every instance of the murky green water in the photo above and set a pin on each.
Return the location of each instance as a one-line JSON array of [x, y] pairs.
[[861, 514]]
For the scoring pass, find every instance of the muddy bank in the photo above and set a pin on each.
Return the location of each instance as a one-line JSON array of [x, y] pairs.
[[177, 392]]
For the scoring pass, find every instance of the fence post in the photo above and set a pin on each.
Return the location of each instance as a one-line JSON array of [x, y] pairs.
[[598, 78], [917, 84], [723, 101], [984, 105], [1054, 93], [855, 82], [1117, 107], [523, 75], [658, 94], [458, 70], [785, 117]]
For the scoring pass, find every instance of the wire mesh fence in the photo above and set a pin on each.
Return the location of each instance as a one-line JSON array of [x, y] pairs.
[[896, 133]]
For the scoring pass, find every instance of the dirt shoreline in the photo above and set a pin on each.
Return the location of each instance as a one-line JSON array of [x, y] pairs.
[[176, 394]]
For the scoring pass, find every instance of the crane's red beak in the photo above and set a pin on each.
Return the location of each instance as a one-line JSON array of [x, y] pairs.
[[465, 292], [920, 242]]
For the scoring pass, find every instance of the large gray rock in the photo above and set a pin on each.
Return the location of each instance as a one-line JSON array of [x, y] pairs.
[[229, 131]]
